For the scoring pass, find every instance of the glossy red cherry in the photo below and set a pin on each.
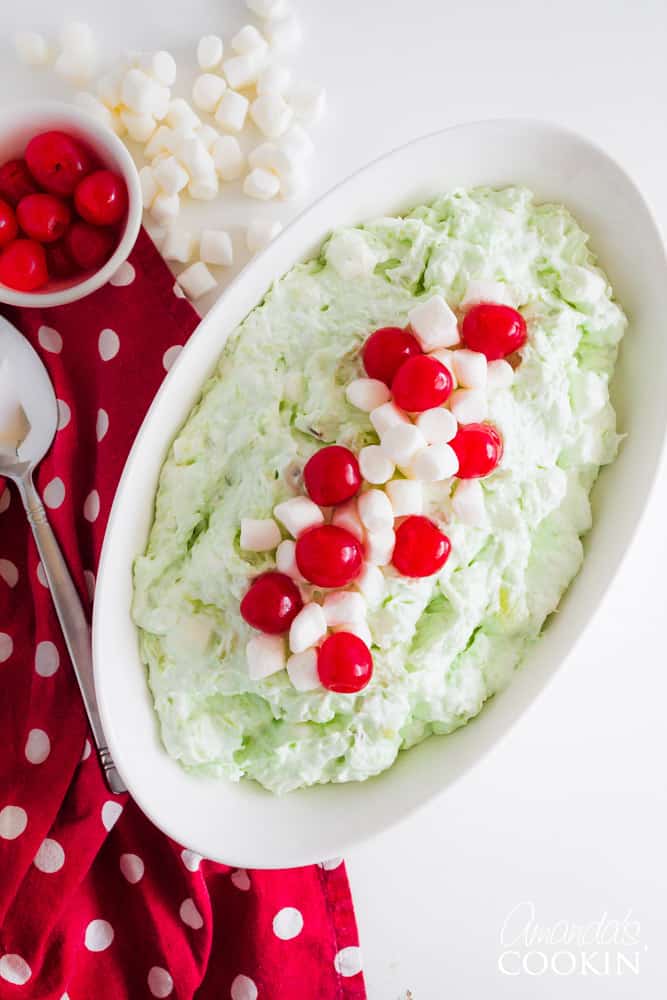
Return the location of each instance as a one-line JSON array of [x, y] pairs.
[[23, 266], [101, 198], [421, 549], [8, 224], [494, 329], [385, 351], [59, 261], [272, 603], [329, 556], [421, 383], [57, 162], [344, 663], [43, 217], [479, 449], [332, 475], [16, 181], [89, 246]]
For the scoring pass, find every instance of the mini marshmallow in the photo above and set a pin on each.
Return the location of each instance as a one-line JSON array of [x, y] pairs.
[[360, 629], [204, 188], [139, 127], [161, 66], [165, 208], [292, 184], [346, 515], [196, 280], [180, 115], [286, 559], [499, 375], [273, 79], [76, 67], [400, 443], [149, 187], [231, 111], [344, 606], [298, 514], [371, 584], [437, 425], [259, 534], [283, 33], [380, 546], [139, 92], [193, 154], [468, 405], [446, 358], [209, 52], [261, 184], [308, 102], [242, 71], [470, 368], [271, 114], [468, 502], [215, 247], [108, 88], [308, 628], [208, 136], [484, 290], [268, 8], [297, 143], [260, 232], [227, 157], [434, 324], [434, 463], [178, 245], [302, 670], [271, 157], [77, 36], [207, 91], [367, 394], [387, 416], [375, 511], [375, 464], [350, 255], [265, 655], [31, 48], [249, 39], [96, 109], [406, 496], [159, 142]]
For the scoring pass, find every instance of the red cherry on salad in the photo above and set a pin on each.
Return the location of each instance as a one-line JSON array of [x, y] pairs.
[[332, 475], [329, 556], [101, 198], [421, 549], [23, 266], [16, 181], [57, 162], [43, 217], [344, 663], [272, 603], [494, 330], [421, 383], [59, 260], [8, 224], [89, 246], [385, 351], [479, 449]]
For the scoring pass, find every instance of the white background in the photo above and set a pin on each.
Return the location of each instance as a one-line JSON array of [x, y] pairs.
[[569, 812]]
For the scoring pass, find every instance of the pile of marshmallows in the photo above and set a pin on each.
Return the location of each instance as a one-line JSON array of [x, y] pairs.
[[416, 444], [187, 155]]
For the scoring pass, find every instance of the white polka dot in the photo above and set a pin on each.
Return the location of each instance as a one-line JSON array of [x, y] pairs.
[[99, 935], [178, 291], [85, 753], [9, 572], [170, 356], [190, 915], [15, 969], [41, 575], [331, 864], [132, 867], [108, 344], [50, 857], [101, 424], [160, 982], [110, 813], [47, 659], [191, 860], [241, 879], [64, 414], [6, 646], [38, 746], [50, 339], [347, 961], [91, 507], [54, 494], [13, 821], [124, 275], [287, 923], [5, 500], [243, 988]]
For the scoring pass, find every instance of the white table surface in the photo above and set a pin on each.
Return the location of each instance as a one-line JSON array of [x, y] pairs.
[[569, 813]]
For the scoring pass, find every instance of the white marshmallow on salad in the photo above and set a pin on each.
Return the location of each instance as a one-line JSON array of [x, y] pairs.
[[468, 502], [302, 670], [215, 247], [231, 111], [227, 157], [437, 425], [261, 184], [406, 497], [375, 464], [260, 232], [360, 629], [386, 416], [196, 280], [207, 90], [367, 394], [344, 606], [265, 655], [486, 290], [380, 546], [308, 628], [371, 583], [499, 375], [401, 442], [434, 324], [346, 515], [178, 245], [298, 514], [470, 368], [469, 406], [434, 463], [286, 559], [375, 510], [210, 50], [259, 534]]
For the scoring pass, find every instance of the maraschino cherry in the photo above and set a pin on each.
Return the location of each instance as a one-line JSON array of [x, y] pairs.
[[479, 449], [344, 663], [421, 549], [272, 603], [386, 350], [332, 475], [421, 383], [329, 556], [493, 329]]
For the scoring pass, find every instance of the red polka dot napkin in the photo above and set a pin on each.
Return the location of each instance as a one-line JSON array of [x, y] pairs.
[[95, 903]]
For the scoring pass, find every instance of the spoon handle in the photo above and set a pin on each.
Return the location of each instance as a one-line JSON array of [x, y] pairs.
[[73, 622]]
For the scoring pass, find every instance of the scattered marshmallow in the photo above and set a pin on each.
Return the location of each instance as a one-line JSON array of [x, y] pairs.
[[249, 39], [434, 463], [77, 36], [386, 416], [283, 32], [406, 496], [165, 208], [242, 71], [260, 233], [375, 464], [139, 92], [470, 368], [468, 502], [215, 247], [367, 394], [446, 358], [231, 111], [227, 157], [259, 534], [297, 143], [76, 67], [271, 157], [208, 136], [484, 290], [292, 184], [499, 375], [274, 79], [375, 510], [108, 89], [344, 606], [178, 245], [161, 66], [468, 405], [271, 114], [204, 188], [261, 184], [149, 188], [139, 127], [207, 91], [286, 559], [437, 425], [434, 324], [308, 628], [96, 109], [371, 584], [298, 514], [265, 655], [31, 48], [268, 8], [181, 115], [346, 515], [302, 670], [308, 102], [380, 546], [209, 52], [196, 280], [160, 142], [400, 443], [194, 156]]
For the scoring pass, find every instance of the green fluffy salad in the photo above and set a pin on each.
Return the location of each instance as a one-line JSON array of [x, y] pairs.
[[443, 644]]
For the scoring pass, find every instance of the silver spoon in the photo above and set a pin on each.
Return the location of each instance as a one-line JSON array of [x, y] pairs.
[[39, 403]]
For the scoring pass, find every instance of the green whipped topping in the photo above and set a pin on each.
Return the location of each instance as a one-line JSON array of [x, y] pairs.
[[442, 645]]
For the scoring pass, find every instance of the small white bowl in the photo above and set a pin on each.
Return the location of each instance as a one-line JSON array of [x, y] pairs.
[[18, 124]]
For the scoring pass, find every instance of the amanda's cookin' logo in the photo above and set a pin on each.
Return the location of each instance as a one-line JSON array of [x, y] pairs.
[[603, 947]]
